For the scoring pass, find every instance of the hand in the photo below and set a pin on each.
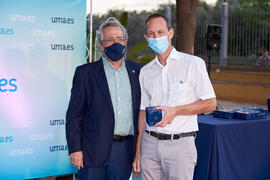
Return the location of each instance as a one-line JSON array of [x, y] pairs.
[[136, 163], [76, 159], [169, 115]]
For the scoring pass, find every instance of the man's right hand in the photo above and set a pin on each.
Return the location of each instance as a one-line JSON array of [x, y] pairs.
[[141, 126], [76, 159], [136, 163]]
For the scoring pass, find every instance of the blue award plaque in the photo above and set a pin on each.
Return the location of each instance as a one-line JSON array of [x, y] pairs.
[[153, 115]]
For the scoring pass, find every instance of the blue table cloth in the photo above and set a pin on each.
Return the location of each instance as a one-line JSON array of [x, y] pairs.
[[231, 149]]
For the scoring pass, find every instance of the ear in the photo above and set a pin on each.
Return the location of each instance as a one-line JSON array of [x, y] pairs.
[[100, 46], [171, 33], [145, 37]]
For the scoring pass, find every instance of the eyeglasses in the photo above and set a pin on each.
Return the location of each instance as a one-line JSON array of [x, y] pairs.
[[111, 39]]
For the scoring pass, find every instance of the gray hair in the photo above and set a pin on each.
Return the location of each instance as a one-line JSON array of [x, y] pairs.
[[110, 22]]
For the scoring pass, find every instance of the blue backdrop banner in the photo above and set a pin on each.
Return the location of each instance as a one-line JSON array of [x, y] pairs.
[[41, 43]]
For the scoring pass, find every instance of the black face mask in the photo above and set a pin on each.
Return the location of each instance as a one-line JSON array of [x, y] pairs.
[[115, 52]]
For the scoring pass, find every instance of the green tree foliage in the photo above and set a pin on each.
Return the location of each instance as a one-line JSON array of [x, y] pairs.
[[205, 14], [124, 18], [263, 5], [134, 22], [249, 29]]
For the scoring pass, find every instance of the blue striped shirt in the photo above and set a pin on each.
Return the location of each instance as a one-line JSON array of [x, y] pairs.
[[120, 90]]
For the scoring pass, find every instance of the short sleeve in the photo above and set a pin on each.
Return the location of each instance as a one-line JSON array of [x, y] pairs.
[[145, 99], [200, 80]]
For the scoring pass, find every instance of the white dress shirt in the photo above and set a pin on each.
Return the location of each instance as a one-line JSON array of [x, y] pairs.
[[183, 80]]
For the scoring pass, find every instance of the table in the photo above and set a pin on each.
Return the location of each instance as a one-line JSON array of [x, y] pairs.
[[230, 149]]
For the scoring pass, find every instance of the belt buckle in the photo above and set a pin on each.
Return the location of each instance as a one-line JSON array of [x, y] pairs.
[[172, 136]]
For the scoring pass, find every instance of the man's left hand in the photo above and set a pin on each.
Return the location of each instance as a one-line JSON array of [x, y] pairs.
[[169, 115]]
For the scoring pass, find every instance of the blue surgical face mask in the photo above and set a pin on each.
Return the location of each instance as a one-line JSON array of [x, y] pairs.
[[115, 52], [158, 45]]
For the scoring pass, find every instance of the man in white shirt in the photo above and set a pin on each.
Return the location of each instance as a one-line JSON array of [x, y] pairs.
[[178, 84]]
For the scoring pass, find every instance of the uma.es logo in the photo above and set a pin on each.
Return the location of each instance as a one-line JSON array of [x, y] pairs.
[[62, 20], [6, 31], [62, 47], [6, 139], [8, 85], [57, 122], [58, 148], [21, 152]]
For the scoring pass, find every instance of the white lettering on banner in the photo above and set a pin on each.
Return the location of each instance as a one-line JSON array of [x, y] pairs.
[[23, 124], [40, 137], [21, 46], [44, 33], [22, 18], [21, 152]]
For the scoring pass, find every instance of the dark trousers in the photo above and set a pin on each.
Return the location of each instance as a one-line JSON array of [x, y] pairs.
[[118, 166]]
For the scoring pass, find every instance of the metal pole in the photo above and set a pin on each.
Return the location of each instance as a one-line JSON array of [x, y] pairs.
[[224, 34], [168, 14], [90, 31], [95, 53], [209, 62]]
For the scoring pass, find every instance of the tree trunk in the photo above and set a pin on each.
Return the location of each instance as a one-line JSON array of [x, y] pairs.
[[186, 25]]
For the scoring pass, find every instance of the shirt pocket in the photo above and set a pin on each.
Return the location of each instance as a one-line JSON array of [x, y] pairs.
[[178, 94]]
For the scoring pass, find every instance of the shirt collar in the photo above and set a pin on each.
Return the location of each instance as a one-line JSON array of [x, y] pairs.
[[109, 65], [172, 56]]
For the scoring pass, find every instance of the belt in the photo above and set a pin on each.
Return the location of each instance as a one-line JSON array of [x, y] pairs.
[[121, 138], [162, 136]]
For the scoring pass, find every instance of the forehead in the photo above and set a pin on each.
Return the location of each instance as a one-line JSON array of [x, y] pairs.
[[112, 31], [156, 24]]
